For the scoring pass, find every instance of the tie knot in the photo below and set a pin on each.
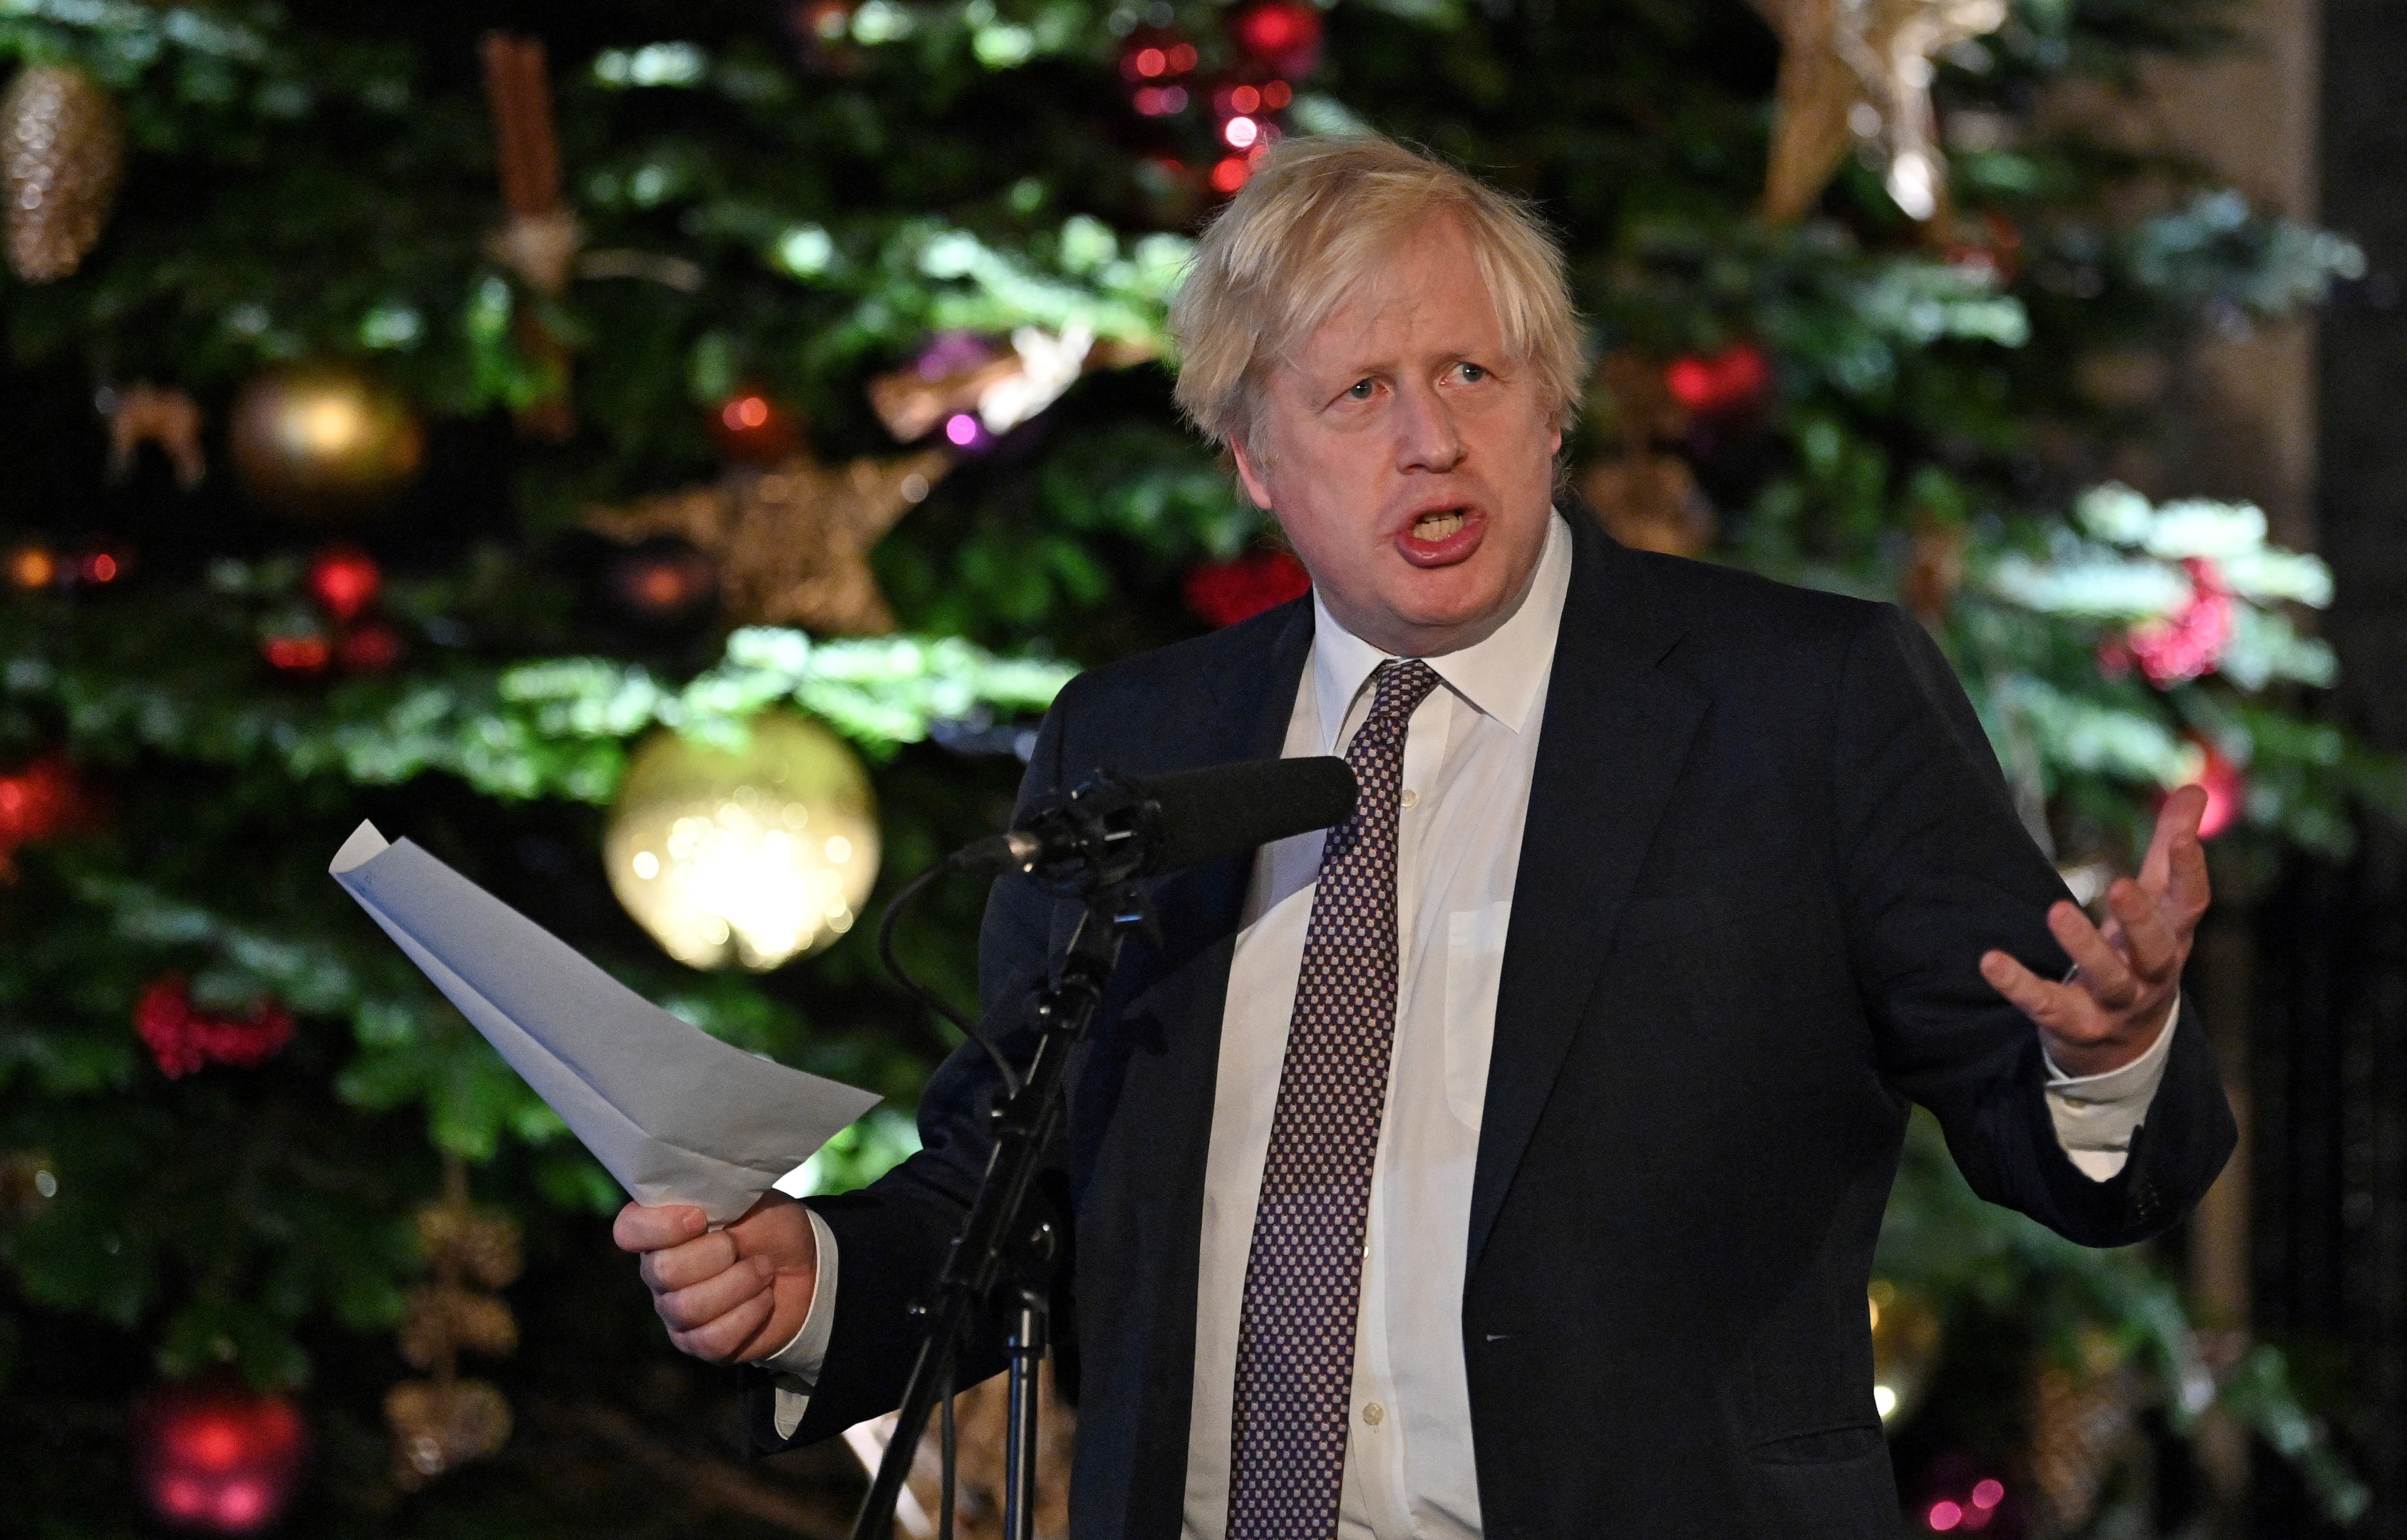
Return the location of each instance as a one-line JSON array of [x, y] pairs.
[[1400, 685]]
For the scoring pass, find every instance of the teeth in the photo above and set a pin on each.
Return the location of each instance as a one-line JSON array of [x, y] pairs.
[[1436, 525]]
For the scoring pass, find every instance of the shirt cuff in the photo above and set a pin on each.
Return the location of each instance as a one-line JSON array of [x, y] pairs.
[[794, 1369], [2095, 1115]]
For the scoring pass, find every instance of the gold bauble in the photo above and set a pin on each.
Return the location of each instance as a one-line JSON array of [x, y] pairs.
[[748, 856], [1905, 1348], [62, 151], [324, 441]]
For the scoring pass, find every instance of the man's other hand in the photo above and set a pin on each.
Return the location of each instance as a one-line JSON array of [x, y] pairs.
[[727, 1295], [2126, 977]]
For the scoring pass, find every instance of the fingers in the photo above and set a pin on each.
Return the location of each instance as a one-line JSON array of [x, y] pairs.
[[2104, 974], [683, 1267], [726, 1336], [641, 1228], [2147, 938], [698, 1304], [2175, 868], [2057, 1008]]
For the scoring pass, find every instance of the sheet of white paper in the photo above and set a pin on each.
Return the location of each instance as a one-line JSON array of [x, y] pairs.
[[676, 1115]]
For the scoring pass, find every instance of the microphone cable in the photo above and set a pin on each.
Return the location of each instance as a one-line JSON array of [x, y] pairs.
[[895, 908]]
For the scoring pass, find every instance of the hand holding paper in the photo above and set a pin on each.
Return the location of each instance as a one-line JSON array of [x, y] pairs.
[[675, 1115]]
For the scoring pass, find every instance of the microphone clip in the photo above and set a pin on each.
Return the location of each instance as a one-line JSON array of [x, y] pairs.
[[1102, 835]]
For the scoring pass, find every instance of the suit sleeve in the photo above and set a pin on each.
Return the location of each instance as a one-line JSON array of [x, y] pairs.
[[1935, 869], [894, 1233]]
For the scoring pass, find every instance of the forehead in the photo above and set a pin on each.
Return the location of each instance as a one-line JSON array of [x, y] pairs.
[[1423, 294]]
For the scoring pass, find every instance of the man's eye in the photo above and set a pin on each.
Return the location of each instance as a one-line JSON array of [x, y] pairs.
[[1472, 374], [1359, 391]]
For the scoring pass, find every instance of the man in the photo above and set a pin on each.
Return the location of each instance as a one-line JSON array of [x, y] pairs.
[[1509, 1161]]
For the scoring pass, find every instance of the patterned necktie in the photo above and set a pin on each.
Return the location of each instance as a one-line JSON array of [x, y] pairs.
[[1304, 1278]]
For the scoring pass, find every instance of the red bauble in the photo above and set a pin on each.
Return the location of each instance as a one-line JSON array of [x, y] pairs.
[[1283, 34], [39, 802], [1226, 592], [182, 1039], [302, 653], [217, 1456], [344, 581], [1732, 380], [750, 427], [2227, 792]]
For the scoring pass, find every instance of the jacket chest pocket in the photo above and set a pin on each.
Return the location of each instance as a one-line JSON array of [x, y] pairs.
[[1474, 961]]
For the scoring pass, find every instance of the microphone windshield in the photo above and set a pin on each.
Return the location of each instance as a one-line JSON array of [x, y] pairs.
[[1228, 810]]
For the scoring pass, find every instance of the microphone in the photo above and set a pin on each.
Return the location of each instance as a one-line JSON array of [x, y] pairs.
[[1113, 828]]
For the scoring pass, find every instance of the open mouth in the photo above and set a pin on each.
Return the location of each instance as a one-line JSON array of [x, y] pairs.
[[1439, 537]]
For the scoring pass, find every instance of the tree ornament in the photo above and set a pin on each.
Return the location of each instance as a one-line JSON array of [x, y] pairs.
[[344, 580], [662, 583], [146, 414], [752, 856], [1650, 501], [2225, 785], [300, 652], [32, 566], [1284, 36], [2180, 647], [324, 441], [39, 803], [1860, 71], [1226, 592], [791, 543], [445, 1420], [960, 376], [1645, 495], [183, 1039], [1732, 380], [750, 428], [62, 155], [1155, 65], [1905, 1348], [217, 1456], [539, 239], [2082, 1421]]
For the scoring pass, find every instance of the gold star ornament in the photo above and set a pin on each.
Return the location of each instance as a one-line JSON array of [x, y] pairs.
[[791, 541]]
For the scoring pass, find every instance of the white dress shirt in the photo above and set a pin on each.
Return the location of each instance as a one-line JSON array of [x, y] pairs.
[[1468, 762]]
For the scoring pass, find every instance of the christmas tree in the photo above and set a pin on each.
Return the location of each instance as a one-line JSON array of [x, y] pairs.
[[663, 459]]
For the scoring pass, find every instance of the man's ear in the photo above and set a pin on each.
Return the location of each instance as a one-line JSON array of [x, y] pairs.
[[1249, 471]]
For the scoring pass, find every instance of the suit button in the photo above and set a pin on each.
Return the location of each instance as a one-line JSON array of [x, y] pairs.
[[1373, 1413], [1411, 797]]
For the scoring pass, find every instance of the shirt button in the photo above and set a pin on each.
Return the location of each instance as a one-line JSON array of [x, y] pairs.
[[1411, 797], [1374, 1413]]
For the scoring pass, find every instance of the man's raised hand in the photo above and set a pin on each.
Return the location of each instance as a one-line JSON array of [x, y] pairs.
[[2126, 977], [729, 1296]]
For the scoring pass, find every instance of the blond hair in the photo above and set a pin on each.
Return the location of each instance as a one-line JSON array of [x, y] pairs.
[[1312, 222]]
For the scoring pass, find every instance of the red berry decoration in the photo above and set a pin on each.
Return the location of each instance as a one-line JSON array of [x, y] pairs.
[[301, 653], [217, 1456], [1732, 380], [752, 428], [1283, 35], [2187, 642], [344, 581], [1226, 592], [182, 1039]]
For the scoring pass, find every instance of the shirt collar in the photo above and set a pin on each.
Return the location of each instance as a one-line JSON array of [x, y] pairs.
[[1499, 676]]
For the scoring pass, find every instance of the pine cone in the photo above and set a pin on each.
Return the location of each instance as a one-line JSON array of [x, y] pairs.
[[437, 1426], [446, 1319], [478, 1242], [63, 150]]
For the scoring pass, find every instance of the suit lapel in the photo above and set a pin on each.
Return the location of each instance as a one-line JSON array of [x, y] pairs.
[[1615, 731]]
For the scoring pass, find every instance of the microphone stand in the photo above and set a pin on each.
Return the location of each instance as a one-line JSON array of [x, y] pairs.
[[1003, 1255]]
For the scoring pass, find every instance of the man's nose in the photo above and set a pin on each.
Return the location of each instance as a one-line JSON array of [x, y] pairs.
[[1426, 439]]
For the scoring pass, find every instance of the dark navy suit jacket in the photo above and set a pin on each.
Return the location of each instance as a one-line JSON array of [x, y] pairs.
[[1767, 842]]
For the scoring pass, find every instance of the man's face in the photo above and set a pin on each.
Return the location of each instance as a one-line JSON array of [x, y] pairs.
[[1408, 455]]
